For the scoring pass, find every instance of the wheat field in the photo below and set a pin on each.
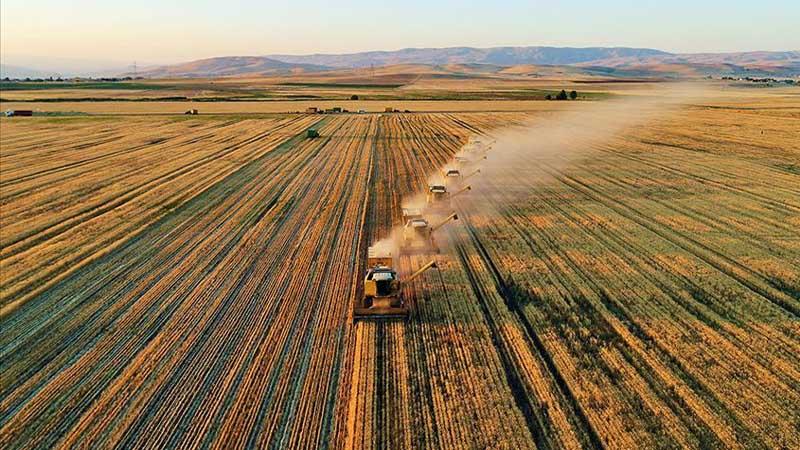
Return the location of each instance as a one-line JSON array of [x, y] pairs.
[[188, 282]]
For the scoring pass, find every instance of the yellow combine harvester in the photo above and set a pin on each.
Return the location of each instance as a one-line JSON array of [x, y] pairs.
[[383, 290], [465, 161], [438, 198], [411, 214], [452, 177], [418, 236], [452, 174], [477, 145], [455, 178]]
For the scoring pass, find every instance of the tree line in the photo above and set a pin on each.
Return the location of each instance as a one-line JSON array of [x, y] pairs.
[[562, 95]]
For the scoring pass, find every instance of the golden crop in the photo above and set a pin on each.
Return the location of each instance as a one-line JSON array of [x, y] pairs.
[[181, 283]]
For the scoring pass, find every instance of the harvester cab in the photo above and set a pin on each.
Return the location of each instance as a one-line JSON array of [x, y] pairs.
[[383, 294], [418, 236]]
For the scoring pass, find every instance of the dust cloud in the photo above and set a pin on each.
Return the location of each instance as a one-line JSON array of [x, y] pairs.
[[558, 140], [519, 154]]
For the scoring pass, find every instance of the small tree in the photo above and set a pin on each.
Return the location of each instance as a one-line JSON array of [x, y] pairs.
[[573, 95], [354, 97], [562, 95], [548, 97]]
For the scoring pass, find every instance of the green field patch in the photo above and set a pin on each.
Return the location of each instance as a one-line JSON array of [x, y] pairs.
[[45, 85], [343, 85]]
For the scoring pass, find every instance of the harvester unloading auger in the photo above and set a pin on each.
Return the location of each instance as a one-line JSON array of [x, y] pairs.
[[383, 290], [466, 177]]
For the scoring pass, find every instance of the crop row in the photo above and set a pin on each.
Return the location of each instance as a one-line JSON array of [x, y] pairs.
[[67, 203], [189, 283]]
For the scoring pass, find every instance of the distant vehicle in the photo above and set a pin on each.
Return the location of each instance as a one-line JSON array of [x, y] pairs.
[[19, 112], [312, 133], [192, 112], [361, 111]]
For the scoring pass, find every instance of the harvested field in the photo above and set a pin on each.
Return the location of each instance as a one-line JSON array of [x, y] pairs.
[[278, 106], [189, 282]]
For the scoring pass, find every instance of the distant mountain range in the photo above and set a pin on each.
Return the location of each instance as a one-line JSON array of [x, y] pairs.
[[10, 71], [230, 66], [20, 66], [619, 60], [500, 56]]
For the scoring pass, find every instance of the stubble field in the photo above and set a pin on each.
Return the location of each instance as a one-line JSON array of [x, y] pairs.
[[180, 282]]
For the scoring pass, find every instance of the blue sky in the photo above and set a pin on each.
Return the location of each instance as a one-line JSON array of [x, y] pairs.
[[164, 31]]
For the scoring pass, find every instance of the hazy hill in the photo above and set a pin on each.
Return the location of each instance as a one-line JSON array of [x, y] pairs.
[[229, 66], [616, 61], [502, 56], [10, 71]]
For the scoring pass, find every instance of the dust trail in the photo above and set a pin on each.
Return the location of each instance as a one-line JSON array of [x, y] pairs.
[[389, 245], [520, 153]]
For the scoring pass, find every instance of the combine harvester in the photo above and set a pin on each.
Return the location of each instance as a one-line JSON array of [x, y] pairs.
[[465, 161], [411, 214], [454, 177], [418, 236], [438, 198], [474, 151], [383, 290], [477, 146]]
